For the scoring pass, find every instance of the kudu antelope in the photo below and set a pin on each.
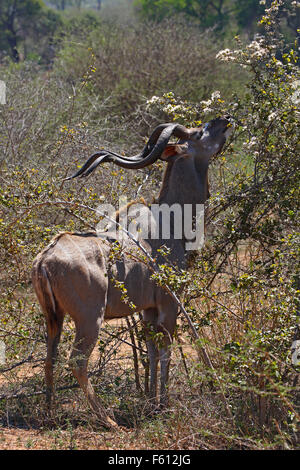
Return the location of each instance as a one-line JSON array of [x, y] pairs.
[[75, 274]]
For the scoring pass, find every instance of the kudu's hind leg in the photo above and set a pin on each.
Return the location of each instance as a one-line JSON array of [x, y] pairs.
[[85, 340], [53, 336]]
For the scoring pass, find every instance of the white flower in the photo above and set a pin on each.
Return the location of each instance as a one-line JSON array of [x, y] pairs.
[[216, 95], [225, 55], [206, 103], [153, 101], [252, 143], [272, 116], [256, 48]]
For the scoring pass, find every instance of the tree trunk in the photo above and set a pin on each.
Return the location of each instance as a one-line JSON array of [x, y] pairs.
[[14, 51], [12, 41], [12, 35]]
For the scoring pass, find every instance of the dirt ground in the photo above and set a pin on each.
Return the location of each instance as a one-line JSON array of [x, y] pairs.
[[29, 439]]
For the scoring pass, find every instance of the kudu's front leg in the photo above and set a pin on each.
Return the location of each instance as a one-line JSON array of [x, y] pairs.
[[166, 325], [150, 325]]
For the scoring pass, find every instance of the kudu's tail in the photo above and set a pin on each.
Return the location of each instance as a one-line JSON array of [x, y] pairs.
[[42, 287]]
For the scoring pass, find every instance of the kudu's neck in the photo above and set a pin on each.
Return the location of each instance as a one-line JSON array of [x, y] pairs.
[[185, 185], [184, 182]]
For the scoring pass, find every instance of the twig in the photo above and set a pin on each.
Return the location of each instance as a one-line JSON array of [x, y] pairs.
[[125, 342]]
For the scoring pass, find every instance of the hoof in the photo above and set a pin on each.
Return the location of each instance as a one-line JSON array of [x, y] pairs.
[[112, 424], [107, 422]]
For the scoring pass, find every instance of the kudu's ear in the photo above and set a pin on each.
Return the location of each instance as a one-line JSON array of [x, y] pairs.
[[170, 151]]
